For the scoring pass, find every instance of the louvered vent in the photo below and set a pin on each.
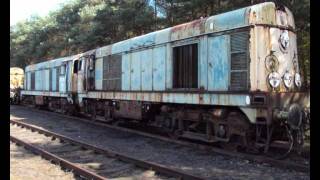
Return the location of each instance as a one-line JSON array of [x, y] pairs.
[[239, 61], [57, 78], [112, 72], [33, 79]]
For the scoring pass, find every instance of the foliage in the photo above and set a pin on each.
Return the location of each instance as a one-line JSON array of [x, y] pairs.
[[81, 25]]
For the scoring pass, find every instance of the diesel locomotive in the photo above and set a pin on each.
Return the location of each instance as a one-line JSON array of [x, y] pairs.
[[231, 78]]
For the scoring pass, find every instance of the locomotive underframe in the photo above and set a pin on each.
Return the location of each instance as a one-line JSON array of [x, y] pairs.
[[206, 123]]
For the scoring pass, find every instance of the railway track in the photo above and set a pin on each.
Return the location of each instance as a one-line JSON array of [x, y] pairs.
[[88, 161], [254, 158]]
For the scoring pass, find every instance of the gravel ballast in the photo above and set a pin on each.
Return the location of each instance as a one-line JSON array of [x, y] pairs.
[[192, 160]]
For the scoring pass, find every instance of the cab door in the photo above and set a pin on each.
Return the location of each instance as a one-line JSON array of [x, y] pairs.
[[81, 75], [75, 69]]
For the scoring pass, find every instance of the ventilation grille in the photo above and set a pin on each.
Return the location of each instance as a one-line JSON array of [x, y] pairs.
[[33, 79], [50, 79], [238, 79], [239, 41], [239, 61], [57, 78], [111, 72]]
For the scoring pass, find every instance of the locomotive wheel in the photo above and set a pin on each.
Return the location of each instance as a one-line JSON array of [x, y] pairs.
[[238, 132]]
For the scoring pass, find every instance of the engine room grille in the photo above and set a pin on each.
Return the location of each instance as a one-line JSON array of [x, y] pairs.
[[111, 72], [33, 79], [57, 78], [239, 79]]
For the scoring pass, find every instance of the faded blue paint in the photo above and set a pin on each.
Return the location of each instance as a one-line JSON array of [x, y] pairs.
[[135, 72], [125, 77], [169, 68], [143, 41], [98, 74], [162, 36], [54, 79], [47, 82], [68, 75], [121, 46], [146, 70], [159, 72], [203, 63], [38, 80], [228, 20], [218, 63], [29, 80], [62, 83]]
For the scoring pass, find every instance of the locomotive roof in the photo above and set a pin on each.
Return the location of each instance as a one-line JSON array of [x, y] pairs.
[[264, 13]]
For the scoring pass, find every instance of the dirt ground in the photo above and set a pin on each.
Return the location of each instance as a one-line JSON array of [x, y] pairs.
[[24, 166]]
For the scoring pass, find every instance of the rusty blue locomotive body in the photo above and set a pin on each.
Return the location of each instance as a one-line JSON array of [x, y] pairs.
[[192, 79]]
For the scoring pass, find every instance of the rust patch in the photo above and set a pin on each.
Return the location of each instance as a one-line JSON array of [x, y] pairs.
[[190, 25]]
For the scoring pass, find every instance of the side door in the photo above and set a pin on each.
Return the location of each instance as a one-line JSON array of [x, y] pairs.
[[62, 78], [75, 68], [81, 75], [90, 73], [218, 62]]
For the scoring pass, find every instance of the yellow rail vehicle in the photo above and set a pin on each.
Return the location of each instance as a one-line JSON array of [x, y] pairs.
[[16, 83]]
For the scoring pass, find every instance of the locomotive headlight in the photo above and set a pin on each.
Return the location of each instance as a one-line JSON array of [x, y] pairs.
[[288, 79], [274, 79], [297, 79], [284, 40], [247, 100]]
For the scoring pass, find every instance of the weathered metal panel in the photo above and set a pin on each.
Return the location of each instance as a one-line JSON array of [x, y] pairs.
[[143, 41], [62, 83], [193, 28], [47, 79], [98, 73], [43, 93], [54, 79], [121, 46], [203, 63], [218, 63], [181, 98], [228, 20], [135, 71], [69, 75], [29, 81], [103, 51], [263, 13], [251, 113], [38, 80], [146, 70], [126, 72], [163, 36], [159, 55], [169, 70]]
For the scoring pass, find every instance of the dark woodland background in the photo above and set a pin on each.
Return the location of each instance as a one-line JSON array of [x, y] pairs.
[[81, 25]]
